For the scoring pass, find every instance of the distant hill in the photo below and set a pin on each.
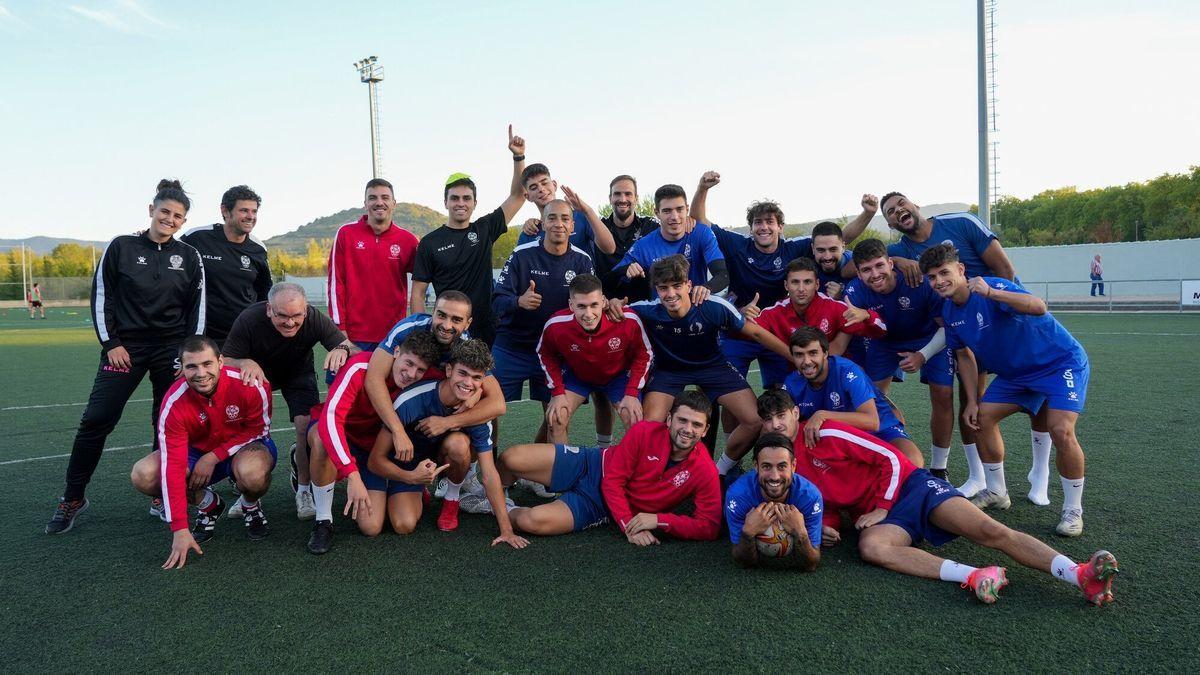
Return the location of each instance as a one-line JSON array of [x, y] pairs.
[[420, 220], [44, 245]]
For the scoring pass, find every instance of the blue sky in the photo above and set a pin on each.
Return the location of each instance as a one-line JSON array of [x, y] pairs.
[[808, 103]]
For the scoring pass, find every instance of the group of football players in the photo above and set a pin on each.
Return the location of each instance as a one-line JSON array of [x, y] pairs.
[[656, 321]]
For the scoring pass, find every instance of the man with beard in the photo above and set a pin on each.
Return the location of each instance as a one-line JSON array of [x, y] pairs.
[[626, 227], [774, 497], [915, 340], [829, 387], [896, 505], [368, 269], [641, 481], [458, 255], [533, 285], [237, 273], [981, 254]]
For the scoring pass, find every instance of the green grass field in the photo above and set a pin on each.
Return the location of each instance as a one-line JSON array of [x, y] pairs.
[[95, 598]]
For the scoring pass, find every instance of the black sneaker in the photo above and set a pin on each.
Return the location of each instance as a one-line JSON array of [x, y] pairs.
[[206, 521], [944, 474], [256, 522], [65, 514], [321, 539], [735, 472]]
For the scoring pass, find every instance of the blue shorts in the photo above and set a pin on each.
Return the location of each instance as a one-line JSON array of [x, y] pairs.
[[883, 361], [422, 450], [856, 351], [576, 477], [224, 469], [513, 368], [773, 368], [1060, 388], [890, 434], [919, 496], [716, 381], [614, 390]]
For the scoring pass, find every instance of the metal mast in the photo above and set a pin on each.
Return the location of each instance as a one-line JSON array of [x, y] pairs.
[[986, 44], [371, 72], [984, 182]]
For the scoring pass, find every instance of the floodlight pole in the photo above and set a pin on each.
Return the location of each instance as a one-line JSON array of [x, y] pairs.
[[371, 73], [984, 198]]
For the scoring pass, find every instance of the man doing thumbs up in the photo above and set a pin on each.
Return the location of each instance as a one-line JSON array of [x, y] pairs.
[[532, 287]]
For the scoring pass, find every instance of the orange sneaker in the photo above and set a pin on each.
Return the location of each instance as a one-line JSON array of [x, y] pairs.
[[448, 518], [987, 582], [1096, 577]]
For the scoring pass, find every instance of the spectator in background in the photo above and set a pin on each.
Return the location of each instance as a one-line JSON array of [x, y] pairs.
[[1097, 276], [35, 301]]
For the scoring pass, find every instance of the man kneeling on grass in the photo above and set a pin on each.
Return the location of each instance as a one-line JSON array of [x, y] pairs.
[[211, 427], [897, 505], [452, 452], [640, 481]]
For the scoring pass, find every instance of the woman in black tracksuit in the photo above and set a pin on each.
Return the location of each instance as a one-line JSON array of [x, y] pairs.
[[147, 296]]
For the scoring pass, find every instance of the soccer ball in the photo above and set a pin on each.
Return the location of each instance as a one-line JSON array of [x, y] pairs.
[[775, 542]]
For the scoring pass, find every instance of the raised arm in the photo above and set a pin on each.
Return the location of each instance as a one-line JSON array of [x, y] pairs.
[[698, 212], [855, 228], [516, 192], [603, 238]]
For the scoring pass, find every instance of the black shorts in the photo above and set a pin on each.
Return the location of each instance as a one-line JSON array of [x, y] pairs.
[[35, 303], [300, 393]]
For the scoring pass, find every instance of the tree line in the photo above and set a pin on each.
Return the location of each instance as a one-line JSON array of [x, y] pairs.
[[1166, 207]]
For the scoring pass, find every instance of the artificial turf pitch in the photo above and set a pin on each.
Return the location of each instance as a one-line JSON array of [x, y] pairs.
[[95, 599]]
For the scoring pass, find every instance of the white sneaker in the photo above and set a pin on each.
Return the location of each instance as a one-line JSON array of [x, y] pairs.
[[236, 511], [478, 503], [986, 499], [305, 508], [1071, 524], [536, 488]]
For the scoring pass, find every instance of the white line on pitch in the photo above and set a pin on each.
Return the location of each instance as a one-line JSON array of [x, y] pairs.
[[119, 447]]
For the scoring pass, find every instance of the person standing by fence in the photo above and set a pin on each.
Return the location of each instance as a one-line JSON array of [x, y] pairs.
[[1097, 275]]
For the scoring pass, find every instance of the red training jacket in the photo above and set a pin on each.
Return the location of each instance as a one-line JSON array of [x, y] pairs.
[[368, 279], [347, 416], [638, 480], [823, 313], [222, 424], [595, 358], [853, 470]]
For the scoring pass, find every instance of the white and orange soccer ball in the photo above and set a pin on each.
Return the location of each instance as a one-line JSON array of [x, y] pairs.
[[775, 542]]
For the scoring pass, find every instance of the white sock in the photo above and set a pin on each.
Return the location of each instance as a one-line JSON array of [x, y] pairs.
[[956, 572], [1072, 493], [323, 500], [938, 457], [304, 487], [207, 500], [974, 464], [725, 463], [993, 475], [603, 440], [1039, 473], [1064, 568], [452, 489]]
